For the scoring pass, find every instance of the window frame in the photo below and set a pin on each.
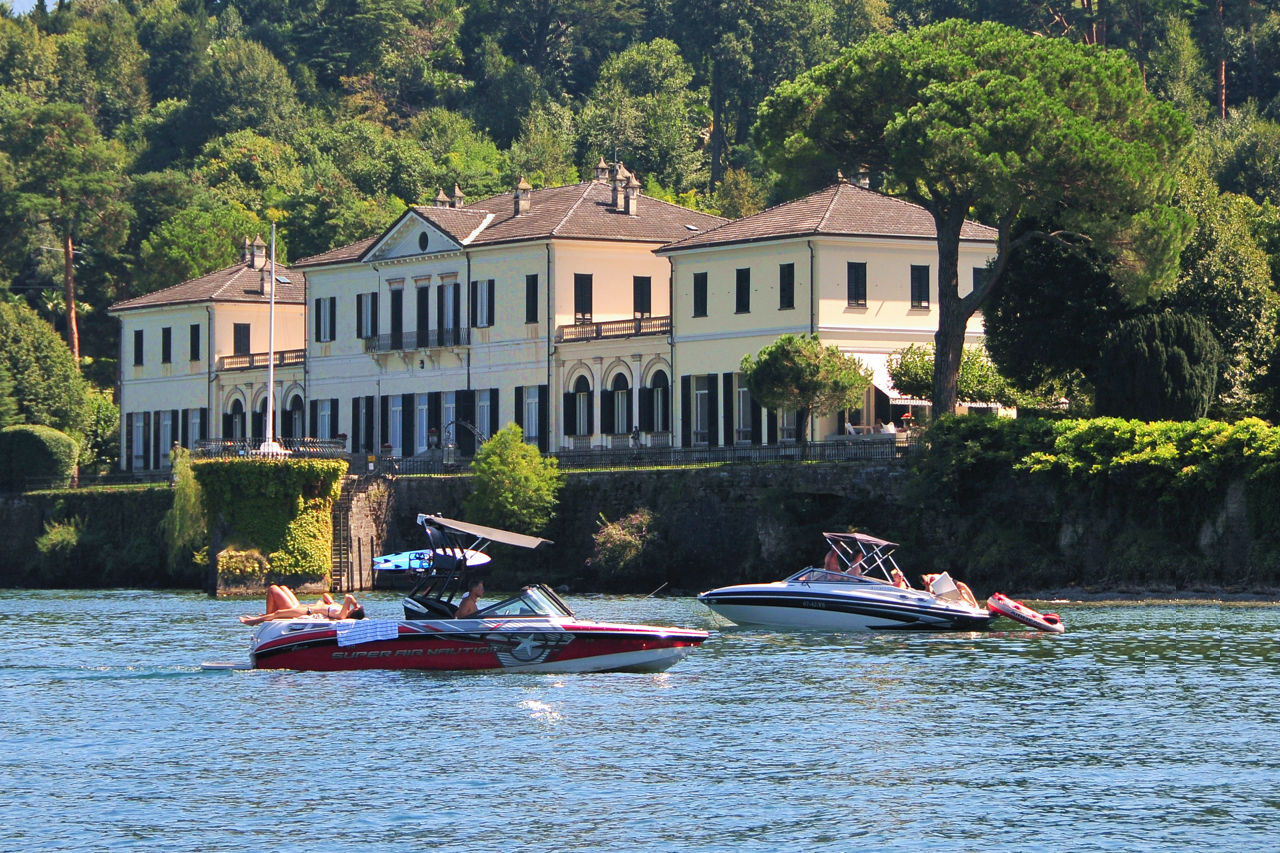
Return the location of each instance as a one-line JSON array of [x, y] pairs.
[[742, 290], [786, 286], [700, 294], [856, 284], [919, 279]]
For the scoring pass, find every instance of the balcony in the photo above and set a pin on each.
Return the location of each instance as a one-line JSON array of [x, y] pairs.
[[613, 329], [250, 361], [429, 339]]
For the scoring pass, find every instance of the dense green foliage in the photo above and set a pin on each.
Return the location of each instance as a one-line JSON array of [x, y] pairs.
[[280, 508], [149, 138], [1158, 367], [801, 373], [36, 453], [979, 381], [516, 487], [623, 549], [984, 117], [1108, 500], [101, 538], [183, 527]]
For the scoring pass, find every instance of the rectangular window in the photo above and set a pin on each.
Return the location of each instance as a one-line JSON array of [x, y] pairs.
[[240, 339], [582, 411], [367, 315], [324, 419], [195, 427], [919, 286], [421, 424], [620, 397], [531, 413], [139, 439], [166, 438], [449, 406], [483, 412], [701, 413], [137, 348], [742, 292], [531, 298], [786, 286], [324, 319], [743, 428], [166, 345], [787, 425], [395, 414], [582, 298], [699, 294], [195, 342], [856, 278], [397, 319], [482, 303], [423, 316], [642, 296]]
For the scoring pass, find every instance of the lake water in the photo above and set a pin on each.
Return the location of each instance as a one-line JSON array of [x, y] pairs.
[[1141, 728]]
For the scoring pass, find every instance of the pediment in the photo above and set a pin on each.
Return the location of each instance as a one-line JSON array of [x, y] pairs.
[[412, 237]]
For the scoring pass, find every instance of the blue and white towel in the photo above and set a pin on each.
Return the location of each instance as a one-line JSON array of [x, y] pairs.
[[354, 633]]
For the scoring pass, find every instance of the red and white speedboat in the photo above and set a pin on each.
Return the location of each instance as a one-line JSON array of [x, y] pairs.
[[533, 631]]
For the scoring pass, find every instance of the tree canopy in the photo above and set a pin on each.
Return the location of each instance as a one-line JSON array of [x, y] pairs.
[[799, 372], [516, 487], [963, 117]]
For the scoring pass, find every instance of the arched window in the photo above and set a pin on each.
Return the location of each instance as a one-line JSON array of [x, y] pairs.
[[233, 423], [615, 415], [293, 425], [655, 404], [578, 415]]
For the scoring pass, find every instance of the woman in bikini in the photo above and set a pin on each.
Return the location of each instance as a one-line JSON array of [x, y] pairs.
[[283, 604]]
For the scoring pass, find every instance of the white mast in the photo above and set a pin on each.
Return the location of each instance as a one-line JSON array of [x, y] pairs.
[[269, 429]]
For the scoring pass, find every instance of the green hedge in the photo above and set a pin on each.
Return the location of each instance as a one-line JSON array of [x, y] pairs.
[[38, 453], [279, 508], [1102, 501]]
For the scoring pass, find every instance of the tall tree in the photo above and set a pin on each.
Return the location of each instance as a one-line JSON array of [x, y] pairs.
[[801, 373], [966, 117], [66, 177]]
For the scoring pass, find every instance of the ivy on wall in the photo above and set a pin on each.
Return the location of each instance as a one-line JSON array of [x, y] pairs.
[[279, 508]]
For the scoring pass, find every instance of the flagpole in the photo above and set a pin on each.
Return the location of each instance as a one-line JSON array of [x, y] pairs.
[[270, 426]]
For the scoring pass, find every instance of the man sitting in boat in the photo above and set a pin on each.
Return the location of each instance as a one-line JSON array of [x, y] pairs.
[[283, 604]]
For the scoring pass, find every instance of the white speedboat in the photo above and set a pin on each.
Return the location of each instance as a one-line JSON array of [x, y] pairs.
[[859, 588]]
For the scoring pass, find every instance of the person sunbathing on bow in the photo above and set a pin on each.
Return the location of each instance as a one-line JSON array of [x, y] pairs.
[[283, 604]]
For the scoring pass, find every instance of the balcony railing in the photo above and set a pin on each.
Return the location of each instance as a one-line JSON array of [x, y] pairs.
[[260, 359], [613, 329], [418, 339]]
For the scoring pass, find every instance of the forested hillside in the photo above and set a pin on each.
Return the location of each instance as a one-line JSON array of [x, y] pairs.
[[139, 141]]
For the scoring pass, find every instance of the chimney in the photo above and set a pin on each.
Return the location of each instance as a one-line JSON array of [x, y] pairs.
[[522, 201], [258, 256], [632, 202], [602, 171], [864, 176], [457, 196], [619, 183], [442, 200], [244, 251], [840, 176]]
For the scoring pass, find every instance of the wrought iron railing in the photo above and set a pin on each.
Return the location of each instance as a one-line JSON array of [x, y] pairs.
[[321, 448], [613, 329], [418, 339]]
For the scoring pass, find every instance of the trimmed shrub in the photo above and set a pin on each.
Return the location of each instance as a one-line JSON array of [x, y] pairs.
[[277, 507], [516, 487], [37, 453]]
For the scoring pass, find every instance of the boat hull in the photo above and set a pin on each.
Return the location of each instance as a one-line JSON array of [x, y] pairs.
[[815, 611], [478, 645]]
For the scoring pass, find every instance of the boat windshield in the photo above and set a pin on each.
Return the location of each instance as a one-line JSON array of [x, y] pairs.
[[532, 601], [825, 576]]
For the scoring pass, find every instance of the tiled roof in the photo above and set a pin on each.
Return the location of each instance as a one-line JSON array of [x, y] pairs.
[[239, 283], [841, 210], [582, 211]]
